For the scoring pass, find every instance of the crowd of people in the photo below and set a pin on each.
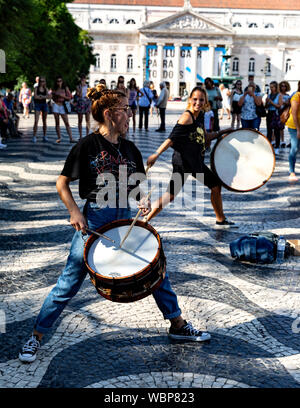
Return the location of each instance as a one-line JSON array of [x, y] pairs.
[[244, 106]]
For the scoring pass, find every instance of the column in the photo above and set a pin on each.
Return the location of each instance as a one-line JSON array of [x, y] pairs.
[[176, 70], [142, 66], [160, 56], [194, 55], [278, 64], [211, 60]]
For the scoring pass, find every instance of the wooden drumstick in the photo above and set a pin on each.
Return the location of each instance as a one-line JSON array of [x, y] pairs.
[[135, 220], [99, 235]]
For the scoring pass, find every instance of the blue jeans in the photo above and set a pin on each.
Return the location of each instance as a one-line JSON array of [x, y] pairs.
[[251, 124], [295, 146], [75, 272]]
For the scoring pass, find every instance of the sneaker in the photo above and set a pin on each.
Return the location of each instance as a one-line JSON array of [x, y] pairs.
[[187, 332], [34, 139], [3, 146], [29, 350], [276, 151], [226, 224], [45, 139], [283, 145]]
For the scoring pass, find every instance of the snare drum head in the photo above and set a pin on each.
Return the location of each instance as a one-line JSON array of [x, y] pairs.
[[137, 252], [244, 160]]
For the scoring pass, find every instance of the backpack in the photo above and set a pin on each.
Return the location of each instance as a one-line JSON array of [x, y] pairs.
[[258, 247]]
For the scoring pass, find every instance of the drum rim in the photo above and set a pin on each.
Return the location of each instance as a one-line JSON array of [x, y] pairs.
[[121, 222], [214, 169]]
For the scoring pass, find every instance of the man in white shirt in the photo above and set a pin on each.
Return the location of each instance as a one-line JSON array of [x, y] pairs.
[[161, 104]]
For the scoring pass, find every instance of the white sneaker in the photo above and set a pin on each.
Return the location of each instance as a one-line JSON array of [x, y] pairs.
[[45, 139], [3, 146], [29, 350], [276, 151], [34, 139]]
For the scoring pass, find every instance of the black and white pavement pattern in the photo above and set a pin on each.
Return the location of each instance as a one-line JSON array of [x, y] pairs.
[[252, 311]]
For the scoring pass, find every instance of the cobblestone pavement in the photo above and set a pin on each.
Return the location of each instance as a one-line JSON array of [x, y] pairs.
[[251, 311]]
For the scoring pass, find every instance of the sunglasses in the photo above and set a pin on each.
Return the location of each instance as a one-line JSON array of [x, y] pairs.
[[126, 109]]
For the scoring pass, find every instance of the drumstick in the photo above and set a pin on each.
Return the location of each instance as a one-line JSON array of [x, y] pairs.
[[135, 220], [99, 235]]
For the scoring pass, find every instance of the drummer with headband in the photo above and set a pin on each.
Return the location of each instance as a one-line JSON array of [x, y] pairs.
[[189, 140], [90, 161]]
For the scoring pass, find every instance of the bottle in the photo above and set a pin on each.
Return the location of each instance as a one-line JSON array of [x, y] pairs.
[[280, 249]]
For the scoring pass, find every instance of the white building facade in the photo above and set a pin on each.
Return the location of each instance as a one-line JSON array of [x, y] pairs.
[[184, 45]]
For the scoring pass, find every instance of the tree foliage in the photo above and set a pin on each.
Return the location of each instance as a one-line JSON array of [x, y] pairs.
[[40, 37]]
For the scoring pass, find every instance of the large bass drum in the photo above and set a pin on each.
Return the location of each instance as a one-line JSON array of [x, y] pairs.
[[131, 272], [243, 159]]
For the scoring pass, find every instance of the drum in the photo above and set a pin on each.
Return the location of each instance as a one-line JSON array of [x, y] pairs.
[[244, 160], [131, 272]]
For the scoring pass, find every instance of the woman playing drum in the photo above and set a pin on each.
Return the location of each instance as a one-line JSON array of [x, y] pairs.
[[94, 157], [188, 139]]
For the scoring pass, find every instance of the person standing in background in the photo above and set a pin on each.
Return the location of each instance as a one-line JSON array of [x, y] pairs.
[[155, 97], [273, 103], [235, 96], [226, 101], [144, 105], [293, 125], [133, 94], [248, 103], [60, 95], [284, 88], [41, 94], [215, 97], [161, 104], [25, 99], [121, 85], [82, 105]]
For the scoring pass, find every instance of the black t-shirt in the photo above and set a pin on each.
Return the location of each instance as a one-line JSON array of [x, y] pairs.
[[189, 144], [93, 159]]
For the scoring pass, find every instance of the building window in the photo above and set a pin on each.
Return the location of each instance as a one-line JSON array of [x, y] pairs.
[[97, 63], [113, 85], [130, 21], [235, 65], [113, 62], [114, 21], [236, 24], [268, 66], [97, 21], [251, 65], [252, 25], [288, 65], [129, 63], [269, 25]]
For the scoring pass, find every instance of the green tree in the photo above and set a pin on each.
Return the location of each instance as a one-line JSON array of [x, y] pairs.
[[41, 38]]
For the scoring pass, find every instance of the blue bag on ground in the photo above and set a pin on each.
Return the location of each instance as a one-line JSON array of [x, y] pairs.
[[254, 248]]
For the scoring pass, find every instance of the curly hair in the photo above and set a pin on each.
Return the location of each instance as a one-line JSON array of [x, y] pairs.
[[288, 87], [103, 98]]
